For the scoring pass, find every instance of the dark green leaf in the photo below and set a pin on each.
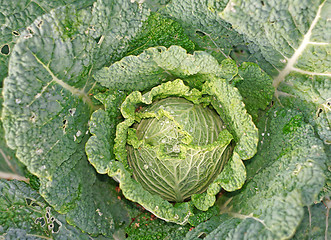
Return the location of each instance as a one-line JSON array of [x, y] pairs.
[[25, 215], [47, 106], [316, 223]]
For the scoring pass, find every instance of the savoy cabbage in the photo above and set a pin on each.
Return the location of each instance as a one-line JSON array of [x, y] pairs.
[[165, 119]]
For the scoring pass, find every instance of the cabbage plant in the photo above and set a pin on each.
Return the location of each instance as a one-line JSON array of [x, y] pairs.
[[179, 142], [165, 119]]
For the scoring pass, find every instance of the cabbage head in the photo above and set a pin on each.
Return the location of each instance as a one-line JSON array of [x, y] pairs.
[[180, 150], [178, 141]]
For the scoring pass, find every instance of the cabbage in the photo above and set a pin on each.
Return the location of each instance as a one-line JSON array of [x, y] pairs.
[[179, 151]]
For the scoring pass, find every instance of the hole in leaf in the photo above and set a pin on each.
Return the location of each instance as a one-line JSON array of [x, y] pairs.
[[50, 226], [97, 39], [28, 36], [34, 204], [40, 220], [319, 112], [33, 118], [28, 201], [47, 216], [16, 33], [72, 111], [262, 2], [31, 31], [201, 34], [56, 226], [40, 24], [5, 49], [202, 235], [65, 121]]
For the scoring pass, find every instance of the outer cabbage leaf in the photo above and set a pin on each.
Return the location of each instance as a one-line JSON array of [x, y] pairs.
[[255, 87], [155, 65], [282, 179], [295, 38], [228, 103], [47, 106], [160, 31], [146, 226], [202, 23], [25, 215], [315, 223], [10, 167], [17, 15], [204, 26]]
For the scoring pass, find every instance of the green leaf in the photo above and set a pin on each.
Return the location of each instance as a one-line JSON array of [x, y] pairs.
[[228, 104], [286, 174], [114, 26], [202, 216], [25, 215], [155, 65], [147, 227], [311, 95], [255, 87], [295, 38], [209, 32], [47, 107], [160, 31], [316, 222], [203, 25], [291, 36], [103, 128], [15, 16], [10, 167], [233, 175]]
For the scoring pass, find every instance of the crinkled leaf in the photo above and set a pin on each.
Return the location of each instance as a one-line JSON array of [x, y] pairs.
[[316, 222], [17, 15], [204, 26], [160, 31], [228, 104], [209, 32], [10, 167], [282, 178], [310, 94], [233, 175], [115, 24], [295, 38], [255, 87], [203, 201], [25, 215], [146, 226], [202, 216], [103, 128], [155, 5], [47, 106], [155, 65], [290, 34]]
